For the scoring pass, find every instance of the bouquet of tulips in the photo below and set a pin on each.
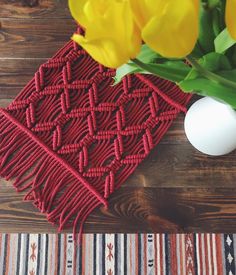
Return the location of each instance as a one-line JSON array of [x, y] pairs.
[[189, 42]]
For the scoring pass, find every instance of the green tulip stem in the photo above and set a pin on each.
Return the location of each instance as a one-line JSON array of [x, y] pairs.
[[210, 75], [213, 3], [144, 66], [193, 62], [166, 74]]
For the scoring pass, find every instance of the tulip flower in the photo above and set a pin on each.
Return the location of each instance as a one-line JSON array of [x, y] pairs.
[[111, 35], [230, 13], [169, 27]]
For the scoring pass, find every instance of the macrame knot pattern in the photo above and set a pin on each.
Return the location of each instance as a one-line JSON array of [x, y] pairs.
[[71, 138]]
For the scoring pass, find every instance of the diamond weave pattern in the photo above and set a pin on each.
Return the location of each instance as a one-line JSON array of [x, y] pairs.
[[101, 130]]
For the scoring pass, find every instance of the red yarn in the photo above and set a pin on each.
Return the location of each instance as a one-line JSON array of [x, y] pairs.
[[71, 139]]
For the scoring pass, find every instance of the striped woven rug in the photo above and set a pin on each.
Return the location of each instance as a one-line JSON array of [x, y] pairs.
[[111, 254]]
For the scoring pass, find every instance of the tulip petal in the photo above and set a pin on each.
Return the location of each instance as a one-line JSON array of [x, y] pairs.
[[104, 51], [144, 10], [230, 20], [77, 10], [111, 37], [169, 27]]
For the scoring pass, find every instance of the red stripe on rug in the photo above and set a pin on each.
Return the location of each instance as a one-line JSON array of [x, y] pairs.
[[219, 255], [173, 256]]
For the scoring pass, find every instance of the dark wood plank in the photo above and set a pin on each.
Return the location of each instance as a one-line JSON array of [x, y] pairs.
[[9, 92], [180, 165], [33, 38], [18, 68], [4, 102], [135, 210], [15, 74], [34, 9]]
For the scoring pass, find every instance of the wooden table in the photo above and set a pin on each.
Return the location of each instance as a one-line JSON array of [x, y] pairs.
[[176, 189]]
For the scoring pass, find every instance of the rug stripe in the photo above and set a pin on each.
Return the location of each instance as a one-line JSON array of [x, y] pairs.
[[8, 263], [229, 254], [159, 253], [59, 253], [207, 259], [222, 245], [115, 254], [234, 244], [203, 253], [46, 254], [196, 259], [214, 254], [136, 253], [56, 257], [22, 254], [125, 253], [5, 254], [89, 243], [183, 253], [177, 247], [38, 253], [2, 252], [118, 254], [129, 256], [13, 253], [79, 260], [145, 254], [94, 253], [210, 253], [109, 253], [219, 253], [32, 253], [42, 256], [172, 255], [103, 254]]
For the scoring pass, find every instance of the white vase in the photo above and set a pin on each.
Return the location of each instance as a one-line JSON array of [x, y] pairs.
[[210, 126]]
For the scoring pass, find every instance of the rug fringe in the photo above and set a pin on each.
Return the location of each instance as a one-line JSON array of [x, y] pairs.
[[53, 189]]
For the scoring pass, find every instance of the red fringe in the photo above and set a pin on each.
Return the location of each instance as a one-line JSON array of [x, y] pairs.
[[53, 189]]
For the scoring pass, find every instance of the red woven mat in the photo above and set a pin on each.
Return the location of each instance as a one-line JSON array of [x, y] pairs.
[[70, 138]]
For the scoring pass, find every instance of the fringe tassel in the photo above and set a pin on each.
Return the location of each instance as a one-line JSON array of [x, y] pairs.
[[51, 187]]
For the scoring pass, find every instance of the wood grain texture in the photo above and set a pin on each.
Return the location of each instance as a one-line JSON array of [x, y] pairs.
[[32, 38], [138, 209], [34, 9], [176, 189]]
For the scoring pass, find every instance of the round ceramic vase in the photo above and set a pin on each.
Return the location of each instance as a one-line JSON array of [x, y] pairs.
[[210, 126]]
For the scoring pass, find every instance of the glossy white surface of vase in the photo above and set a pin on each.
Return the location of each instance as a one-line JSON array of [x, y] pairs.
[[210, 127]]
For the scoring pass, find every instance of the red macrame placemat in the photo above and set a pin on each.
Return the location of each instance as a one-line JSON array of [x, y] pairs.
[[70, 138]]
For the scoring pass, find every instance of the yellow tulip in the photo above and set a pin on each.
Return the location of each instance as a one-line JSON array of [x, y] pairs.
[[111, 35], [230, 14], [169, 27]]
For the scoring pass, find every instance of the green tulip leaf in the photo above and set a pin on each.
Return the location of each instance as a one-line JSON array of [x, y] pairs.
[[126, 69], [174, 71], [229, 74], [223, 41], [206, 35], [214, 62], [147, 55], [216, 20], [206, 87]]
